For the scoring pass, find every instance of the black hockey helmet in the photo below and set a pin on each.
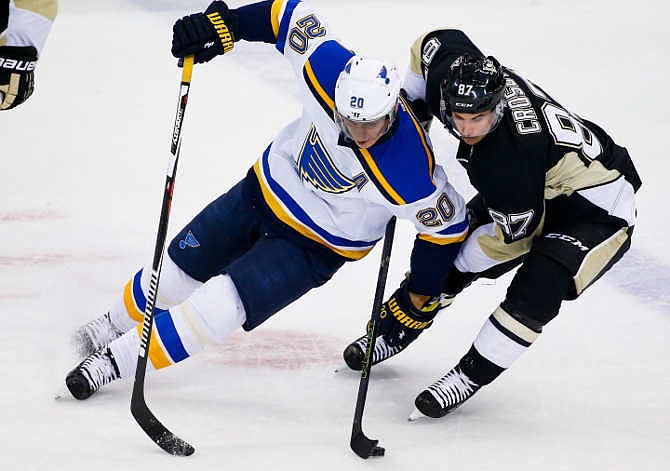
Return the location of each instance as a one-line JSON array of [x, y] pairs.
[[472, 85]]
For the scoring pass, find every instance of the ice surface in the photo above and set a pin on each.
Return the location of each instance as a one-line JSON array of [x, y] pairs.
[[84, 164]]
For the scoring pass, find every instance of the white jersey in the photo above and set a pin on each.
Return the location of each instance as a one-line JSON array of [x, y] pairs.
[[330, 190], [28, 22]]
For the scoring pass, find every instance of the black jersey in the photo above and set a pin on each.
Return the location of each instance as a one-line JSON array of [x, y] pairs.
[[539, 156]]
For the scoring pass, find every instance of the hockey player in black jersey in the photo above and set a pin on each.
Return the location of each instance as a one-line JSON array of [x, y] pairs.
[[555, 195], [24, 27]]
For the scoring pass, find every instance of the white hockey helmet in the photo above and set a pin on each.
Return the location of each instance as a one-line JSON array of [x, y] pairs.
[[366, 91]]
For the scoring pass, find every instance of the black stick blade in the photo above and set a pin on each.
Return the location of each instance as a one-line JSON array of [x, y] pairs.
[[365, 447], [160, 435]]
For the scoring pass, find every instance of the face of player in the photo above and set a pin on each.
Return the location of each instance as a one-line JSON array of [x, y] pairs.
[[473, 126], [366, 134]]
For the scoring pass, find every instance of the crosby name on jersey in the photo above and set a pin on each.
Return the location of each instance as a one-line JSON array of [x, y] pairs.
[[540, 156]]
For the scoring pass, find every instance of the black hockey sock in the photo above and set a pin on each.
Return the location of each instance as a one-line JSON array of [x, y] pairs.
[[479, 369]]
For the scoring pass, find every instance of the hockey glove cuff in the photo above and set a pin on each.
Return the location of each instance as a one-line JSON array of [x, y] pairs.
[[400, 322], [456, 282], [205, 35], [17, 76]]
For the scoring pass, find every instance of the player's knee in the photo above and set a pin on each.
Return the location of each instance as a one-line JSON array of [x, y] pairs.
[[175, 284], [217, 309], [539, 287]]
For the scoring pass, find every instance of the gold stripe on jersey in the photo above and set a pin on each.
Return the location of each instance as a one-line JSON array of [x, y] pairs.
[[495, 247], [514, 326], [443, 240], [129, 301], [570, 174], [415, 55], [45, 8], [274, 16], [327, 100], [422, 134], [598, 259], [379, 178], [276, 207], [156, 354]]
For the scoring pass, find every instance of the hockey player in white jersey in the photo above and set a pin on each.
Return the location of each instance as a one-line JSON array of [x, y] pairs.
[[320, 195], [24, 27]]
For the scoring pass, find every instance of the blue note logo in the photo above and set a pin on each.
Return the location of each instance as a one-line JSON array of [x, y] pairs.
[[189, 241], [317, 167]]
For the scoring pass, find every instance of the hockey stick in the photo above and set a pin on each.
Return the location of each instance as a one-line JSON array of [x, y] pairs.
[[362, 445], [165, 439]]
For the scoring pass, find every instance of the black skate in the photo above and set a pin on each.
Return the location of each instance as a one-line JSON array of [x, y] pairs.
[[445, 395], [95, 335], [92, 373], [354, 354]]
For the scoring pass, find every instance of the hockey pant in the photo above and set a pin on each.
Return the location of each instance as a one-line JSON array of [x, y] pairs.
[[230, 267], [579, 243]]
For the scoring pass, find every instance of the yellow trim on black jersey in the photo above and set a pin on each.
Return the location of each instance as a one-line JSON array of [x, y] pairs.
[[46, 8]]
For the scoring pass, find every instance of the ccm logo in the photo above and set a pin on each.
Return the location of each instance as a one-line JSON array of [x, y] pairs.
[[569, 239]]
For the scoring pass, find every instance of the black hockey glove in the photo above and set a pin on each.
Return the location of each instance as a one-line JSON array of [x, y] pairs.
[[456, 282], [400, 322], [205, 35], [17, 71]]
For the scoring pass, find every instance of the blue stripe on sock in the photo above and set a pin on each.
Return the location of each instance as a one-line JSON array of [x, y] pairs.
[[140, 299], [169, 335]]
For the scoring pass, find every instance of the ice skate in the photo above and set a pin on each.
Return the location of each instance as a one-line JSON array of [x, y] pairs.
[[444, 395], [95, 335], [91, 374], [354, 354]]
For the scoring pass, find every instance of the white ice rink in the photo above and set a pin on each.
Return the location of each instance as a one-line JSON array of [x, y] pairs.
[[83, 166]]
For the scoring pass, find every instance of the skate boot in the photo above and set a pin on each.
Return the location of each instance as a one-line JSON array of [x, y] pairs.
[[445, 395], [92, 373], [354, 354], [98, 333]]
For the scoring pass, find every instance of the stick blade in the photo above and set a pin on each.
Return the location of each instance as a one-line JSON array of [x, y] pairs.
[[365, 447], [159, 434]]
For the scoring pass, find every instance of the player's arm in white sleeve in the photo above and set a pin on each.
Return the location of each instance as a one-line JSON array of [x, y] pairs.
[[486, 247], [28, 22], [24, 27], [414, 85]]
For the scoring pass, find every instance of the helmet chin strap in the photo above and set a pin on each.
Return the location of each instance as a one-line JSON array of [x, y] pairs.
[[499, 110], [346, 133]]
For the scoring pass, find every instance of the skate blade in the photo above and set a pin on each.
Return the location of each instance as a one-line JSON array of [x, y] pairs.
[[416, 415], [62, 394], [344, 369]]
